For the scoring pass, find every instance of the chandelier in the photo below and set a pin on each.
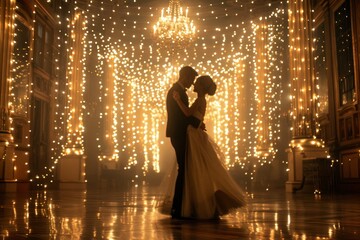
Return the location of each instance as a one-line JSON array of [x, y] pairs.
[[174, 29]]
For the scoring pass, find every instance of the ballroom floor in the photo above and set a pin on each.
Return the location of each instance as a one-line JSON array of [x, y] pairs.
[[130, 214]]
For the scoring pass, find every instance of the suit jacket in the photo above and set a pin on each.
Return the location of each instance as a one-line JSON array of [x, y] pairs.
[[177, 122]]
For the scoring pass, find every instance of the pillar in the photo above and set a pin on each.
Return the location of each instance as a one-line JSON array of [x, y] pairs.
[[71, 171], [304, 144]]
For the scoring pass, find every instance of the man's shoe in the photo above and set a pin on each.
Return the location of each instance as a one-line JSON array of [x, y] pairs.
[[175, 214]]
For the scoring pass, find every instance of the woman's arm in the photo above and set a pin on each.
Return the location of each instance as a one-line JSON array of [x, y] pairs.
[[186, 110]]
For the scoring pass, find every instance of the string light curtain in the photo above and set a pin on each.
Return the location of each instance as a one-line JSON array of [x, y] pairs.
[[76, 81], [110, 150], [303, 95], [245, 60], [120, 42]]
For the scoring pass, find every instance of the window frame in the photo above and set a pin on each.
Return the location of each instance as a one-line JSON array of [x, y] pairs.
[[345, 106]]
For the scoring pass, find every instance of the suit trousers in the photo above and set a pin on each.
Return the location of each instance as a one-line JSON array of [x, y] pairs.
[[179, 144]]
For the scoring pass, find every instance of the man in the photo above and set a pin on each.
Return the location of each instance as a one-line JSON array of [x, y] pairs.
[[176, 129]]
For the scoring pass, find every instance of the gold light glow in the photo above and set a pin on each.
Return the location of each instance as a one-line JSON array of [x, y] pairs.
[[174, 28], [125, 42]]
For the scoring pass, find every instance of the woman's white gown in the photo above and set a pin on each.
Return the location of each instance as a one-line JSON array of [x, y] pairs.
[[209, 190]]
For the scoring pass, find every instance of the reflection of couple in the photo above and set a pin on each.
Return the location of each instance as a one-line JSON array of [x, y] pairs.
[[203, 188]]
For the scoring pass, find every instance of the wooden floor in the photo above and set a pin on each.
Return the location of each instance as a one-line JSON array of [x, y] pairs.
[[130, 214]]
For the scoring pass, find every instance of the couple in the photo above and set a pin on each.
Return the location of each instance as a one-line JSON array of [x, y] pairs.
[[203, 187]]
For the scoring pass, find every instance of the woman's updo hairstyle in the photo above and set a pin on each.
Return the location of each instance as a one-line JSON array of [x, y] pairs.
[[208, 84]]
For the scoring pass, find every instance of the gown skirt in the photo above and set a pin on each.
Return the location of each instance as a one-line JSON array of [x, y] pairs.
[[209, 190]]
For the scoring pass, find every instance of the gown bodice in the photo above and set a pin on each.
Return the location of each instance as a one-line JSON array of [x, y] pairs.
[[199, 115]]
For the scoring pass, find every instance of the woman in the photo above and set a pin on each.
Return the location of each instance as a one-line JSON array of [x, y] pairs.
[[209, 190]]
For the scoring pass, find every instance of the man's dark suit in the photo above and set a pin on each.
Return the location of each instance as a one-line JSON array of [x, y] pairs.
[[176, 129]]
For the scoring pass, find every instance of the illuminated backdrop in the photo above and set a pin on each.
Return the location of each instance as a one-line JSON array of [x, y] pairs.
[[128, 69], [241, 45]]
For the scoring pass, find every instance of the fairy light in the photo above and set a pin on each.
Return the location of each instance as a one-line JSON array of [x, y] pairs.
[[68, 122], [19, 90], [111, 112], [76, 83], [59, 140], [303, 99], [7, 22], [243, 56]]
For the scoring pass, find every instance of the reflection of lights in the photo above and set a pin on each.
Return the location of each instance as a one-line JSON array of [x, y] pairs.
[[116, 214], [331, 232], [288, 220]]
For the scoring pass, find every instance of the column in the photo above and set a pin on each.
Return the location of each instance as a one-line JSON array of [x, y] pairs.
[[71, 172], [7, 174], [304, 144], [264, 148]]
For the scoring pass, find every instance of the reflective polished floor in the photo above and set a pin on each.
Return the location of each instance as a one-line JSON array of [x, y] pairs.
[[130, 214]]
